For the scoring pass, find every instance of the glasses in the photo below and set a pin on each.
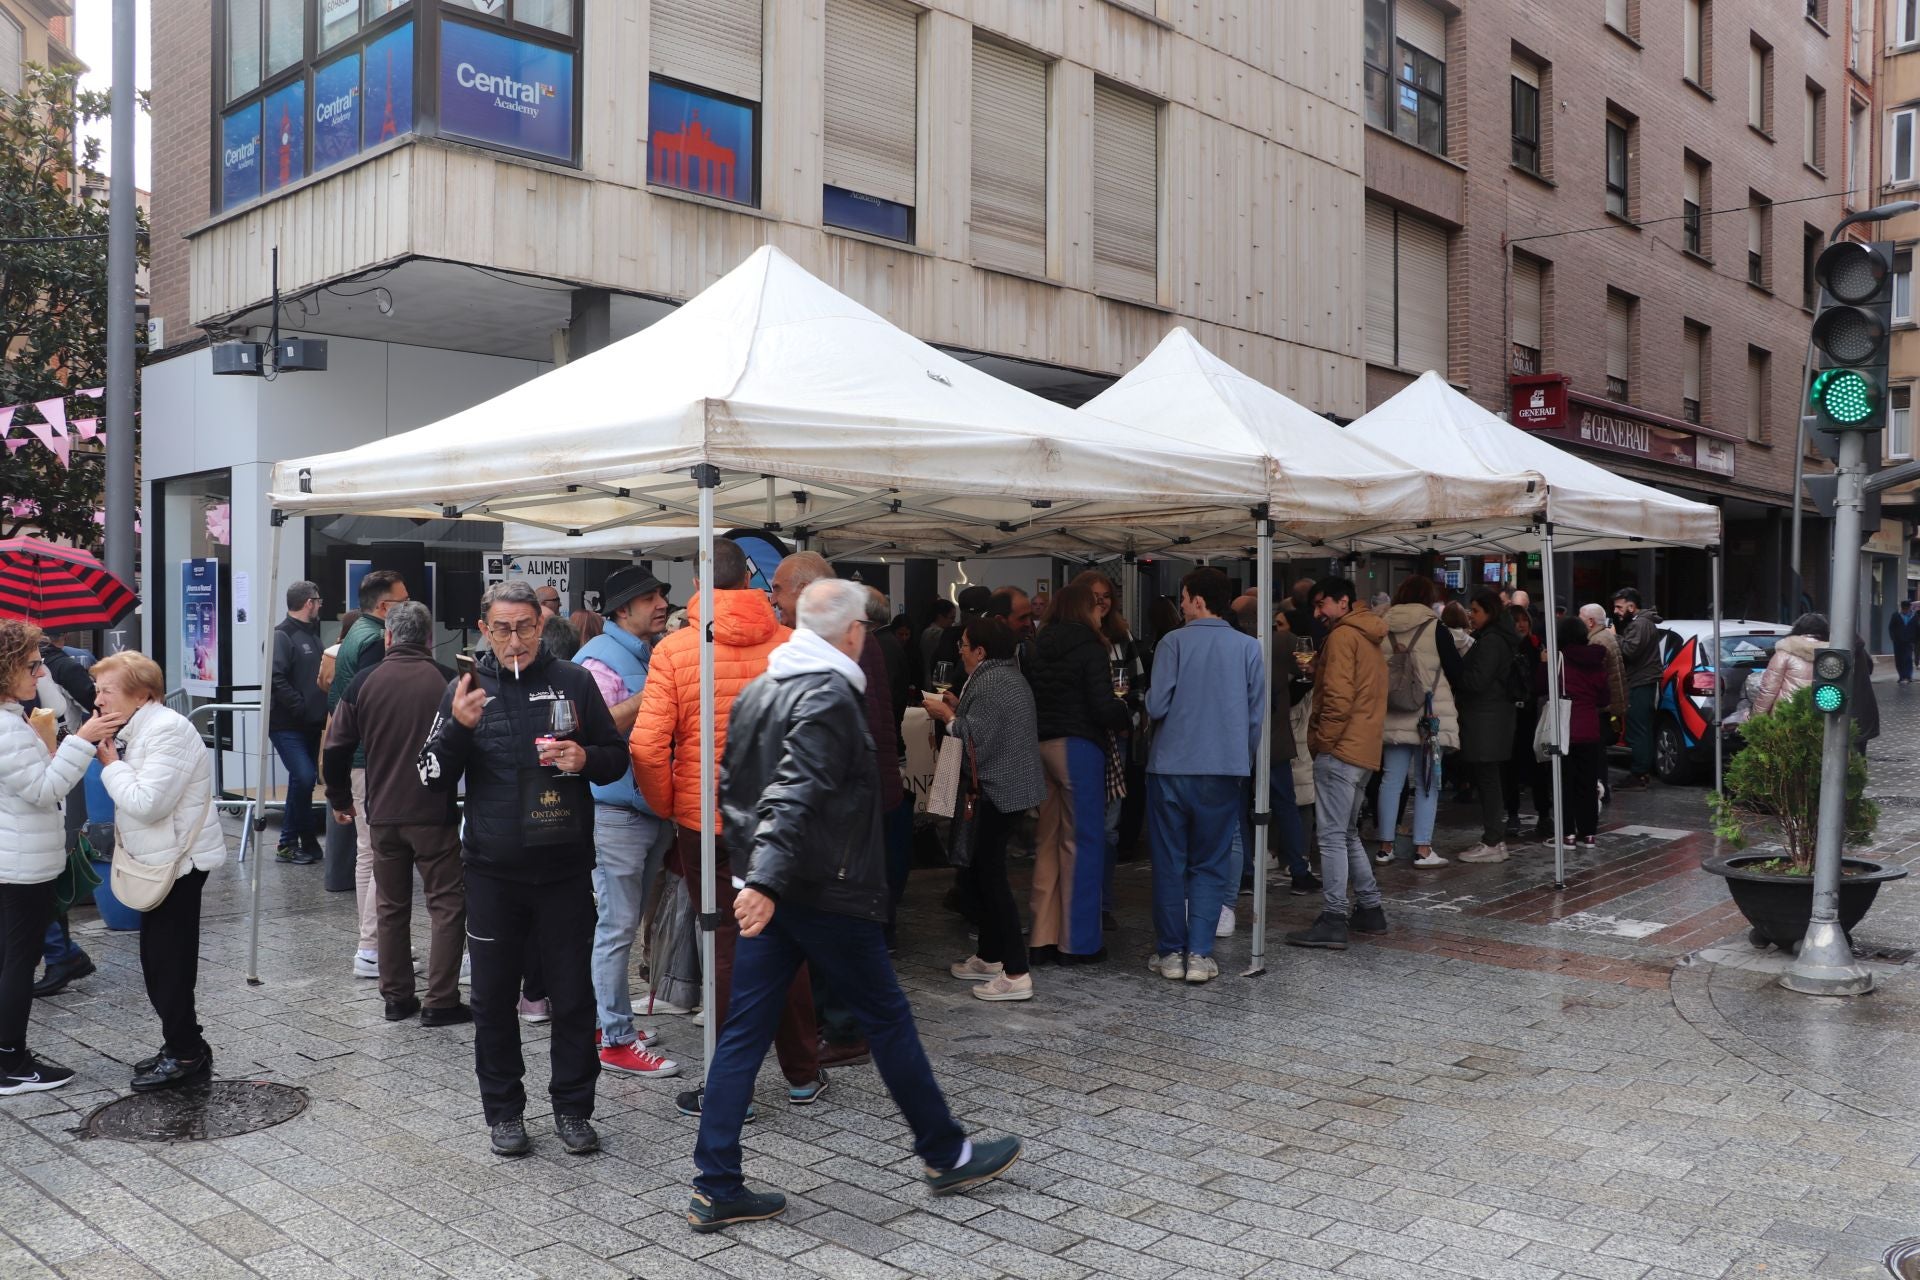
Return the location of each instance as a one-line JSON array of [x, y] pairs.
[[501, 631], [37, 667]]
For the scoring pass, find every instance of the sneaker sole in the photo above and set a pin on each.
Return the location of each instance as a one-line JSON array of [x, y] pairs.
[[705, 1226], [1319, 946], [980, 993], [1199, 978], [536, 1019], [954, 1188], [513, 1153], [667, 1072], [34, 1086]]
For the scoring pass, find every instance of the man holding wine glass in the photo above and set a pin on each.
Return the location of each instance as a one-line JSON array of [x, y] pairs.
[[529, 733]]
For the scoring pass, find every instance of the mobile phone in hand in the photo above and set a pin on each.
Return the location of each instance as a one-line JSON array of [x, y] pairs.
[[463, 662]]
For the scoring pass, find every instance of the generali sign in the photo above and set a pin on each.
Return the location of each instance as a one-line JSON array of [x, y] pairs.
[[1544, 404]]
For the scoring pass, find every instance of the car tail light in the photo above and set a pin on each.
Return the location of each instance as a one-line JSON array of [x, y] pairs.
[[1702, 682]]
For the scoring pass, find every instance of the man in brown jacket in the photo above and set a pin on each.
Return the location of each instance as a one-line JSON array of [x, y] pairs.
[[1344, 734]]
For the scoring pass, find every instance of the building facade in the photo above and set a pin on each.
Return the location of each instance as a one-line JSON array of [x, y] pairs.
[[1599, 217], [34, 31], [1896, 130]]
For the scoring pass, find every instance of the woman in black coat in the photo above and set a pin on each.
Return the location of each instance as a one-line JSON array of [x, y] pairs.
[[1487, 699]]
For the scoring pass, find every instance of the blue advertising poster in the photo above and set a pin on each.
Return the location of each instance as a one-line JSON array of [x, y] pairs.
[[514, 93], [386, 104], [240, 156], [336, 111], [286, 135], [700, 143], [200, 626]]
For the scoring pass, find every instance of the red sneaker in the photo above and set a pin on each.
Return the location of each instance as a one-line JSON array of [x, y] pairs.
[[632, 1060]]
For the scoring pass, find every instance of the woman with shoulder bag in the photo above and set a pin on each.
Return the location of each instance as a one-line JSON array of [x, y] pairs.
[[994, 718], [1415, 735], [161, 779], [35, 777]]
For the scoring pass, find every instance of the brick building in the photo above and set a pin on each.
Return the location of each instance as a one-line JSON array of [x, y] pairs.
[[1604, 211]]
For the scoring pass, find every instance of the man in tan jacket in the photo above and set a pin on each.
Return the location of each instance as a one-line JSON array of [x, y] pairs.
[[1344, 736]]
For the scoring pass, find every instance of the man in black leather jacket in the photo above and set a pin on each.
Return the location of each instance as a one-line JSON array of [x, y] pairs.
[[800, 810]]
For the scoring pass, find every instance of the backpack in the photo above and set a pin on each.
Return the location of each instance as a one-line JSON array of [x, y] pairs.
[[1406, 691]]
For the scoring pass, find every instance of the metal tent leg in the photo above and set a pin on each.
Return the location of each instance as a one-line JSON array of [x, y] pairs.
[[1558, 749], [708, 478], [256, 818], [1262, 801]]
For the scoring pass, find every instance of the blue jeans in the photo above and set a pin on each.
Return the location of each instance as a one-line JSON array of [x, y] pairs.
[[1288, 829], [852, 955], [628, 848], [899, 835], [58, 945], [1400, 763], [1191, 819], [1340, 789], [299, 750], [1114, 806]]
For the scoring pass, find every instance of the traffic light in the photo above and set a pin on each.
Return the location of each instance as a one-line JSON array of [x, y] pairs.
[[1849, 390], [1832, 680]]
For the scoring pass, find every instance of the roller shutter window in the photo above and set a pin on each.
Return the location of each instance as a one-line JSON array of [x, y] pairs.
[[714, 44], [1617, 14], [1526, 303], [1126, 194], [1382, 267], [1009, 209], [1422, 279], [1619, 329], [872, 59], [1422, 26], [12, 55]]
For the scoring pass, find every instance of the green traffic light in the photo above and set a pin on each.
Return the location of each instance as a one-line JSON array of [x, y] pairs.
[[1844, 395], [1829, 697]]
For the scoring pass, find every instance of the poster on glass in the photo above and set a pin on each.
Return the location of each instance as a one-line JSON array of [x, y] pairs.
[[200, 626]]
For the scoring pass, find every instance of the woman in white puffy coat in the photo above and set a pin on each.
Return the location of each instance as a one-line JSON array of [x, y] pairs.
[[33, 846], [160, 776]]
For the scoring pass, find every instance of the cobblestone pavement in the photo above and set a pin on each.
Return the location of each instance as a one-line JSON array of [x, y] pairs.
[[1517, 1083]]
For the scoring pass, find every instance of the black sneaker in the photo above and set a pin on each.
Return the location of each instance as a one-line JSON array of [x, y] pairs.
[[989, 1161], [1306, 884], [287, 853], [311, 850], [147, 1064], [60, 973], [400, 1010], [173, 1073], [451, 1015], [1368, 920], [576, 1135], [688, 1103], [1328, 932], [32, 1075], [510, 1138], [705, 1215]]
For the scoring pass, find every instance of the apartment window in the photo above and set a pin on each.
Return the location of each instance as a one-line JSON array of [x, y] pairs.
[[1856, 32], [703, 98], [1857, 166], [1759, 235], [1406, 71], [1621, 314], [1693, 369], [1813, 147], [1406, 290], [1809, 255], [1619, 165], [1526, 116], [13, 74], [1760, 85], [1126, 193], [1009, 159], [869, 140], [1903, 286], [1817, 11], [1900, 145], [1529, 302], [1623, 16], [1759, 395], [1906, 21], [1693, 189], [1900, 422], [1696, 32]]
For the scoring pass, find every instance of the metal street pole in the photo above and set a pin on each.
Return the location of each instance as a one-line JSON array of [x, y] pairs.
[[1825, 965], [120, 313]]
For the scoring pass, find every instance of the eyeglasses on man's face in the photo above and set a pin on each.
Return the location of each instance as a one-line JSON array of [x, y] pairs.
[[507, 631]]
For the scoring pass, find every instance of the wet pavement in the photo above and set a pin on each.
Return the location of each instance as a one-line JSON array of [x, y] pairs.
[[1516, 1083]]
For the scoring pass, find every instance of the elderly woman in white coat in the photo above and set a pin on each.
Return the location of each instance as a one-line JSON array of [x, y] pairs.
[[33, 846], [160, 776]]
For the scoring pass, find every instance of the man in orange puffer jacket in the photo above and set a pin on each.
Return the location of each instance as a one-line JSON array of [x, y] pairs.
[[665, 745]]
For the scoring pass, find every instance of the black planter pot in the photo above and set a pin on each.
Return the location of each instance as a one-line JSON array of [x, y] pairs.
[[1778, 906]]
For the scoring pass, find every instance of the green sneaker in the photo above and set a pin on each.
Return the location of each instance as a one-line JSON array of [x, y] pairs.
[[705, 1215], [990, 1160]]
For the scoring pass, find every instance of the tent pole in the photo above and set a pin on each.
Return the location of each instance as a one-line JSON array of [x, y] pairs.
[[257, 820], [1263, 762], [1558, 748], [1719, 748], [708, 478]]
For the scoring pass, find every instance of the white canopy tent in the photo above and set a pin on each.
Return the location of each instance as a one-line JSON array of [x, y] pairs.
[[1588, 508]]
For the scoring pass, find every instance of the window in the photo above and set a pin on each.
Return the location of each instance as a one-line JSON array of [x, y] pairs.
[[1529, 289], [1126, 193], [1619, 166], [1759, 234], [1009, 159], [12, 54], [1622, 16], [554, 15], [1813, 147], [1857, 168], [1903, 286], [1856, 32], [1693, 370], [1526, 116], [1900, 146], [286, 35], [872, 111], [1760, 85], [1696, 34], [1809, 255], [1817, 11], [1406, 71], [1406, 290], [1693, 236], [1621, 314], [1759, 395], [1900, 422], [703, 98], [499, 88], [1906, 21]]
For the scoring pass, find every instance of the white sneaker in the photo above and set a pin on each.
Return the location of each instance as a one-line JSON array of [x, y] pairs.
[[466, 969], [699, 1019], [1485, 853], [364, 967], [657, 1005], [1004, 987], [1202, 969], [1172, 966], [1224, 929], [974, 969], [1430, 859]]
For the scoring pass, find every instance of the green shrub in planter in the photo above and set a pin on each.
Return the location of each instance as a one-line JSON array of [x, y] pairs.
[[1773, 785]]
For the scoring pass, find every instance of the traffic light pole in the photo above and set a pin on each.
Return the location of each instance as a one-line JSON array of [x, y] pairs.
[[1824, 965]]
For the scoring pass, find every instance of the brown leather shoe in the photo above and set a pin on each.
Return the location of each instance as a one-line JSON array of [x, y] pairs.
[[844, 1055]]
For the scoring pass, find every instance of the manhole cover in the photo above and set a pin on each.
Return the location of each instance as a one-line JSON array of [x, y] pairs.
[[1903, 1260], [218, 1109]]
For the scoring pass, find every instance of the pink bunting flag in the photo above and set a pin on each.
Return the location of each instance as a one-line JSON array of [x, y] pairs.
[[15, 446], [6, 418], [61, 446], [55, 412], [93, 393], [86, 428]]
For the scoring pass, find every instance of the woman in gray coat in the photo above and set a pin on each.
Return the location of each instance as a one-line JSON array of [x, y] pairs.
[[1486, 701]]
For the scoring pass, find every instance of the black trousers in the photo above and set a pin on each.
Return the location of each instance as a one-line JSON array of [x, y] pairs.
[[170, 962], [24, 912], [1580, 778], [1486, 781], [504, 919], [986, 877]]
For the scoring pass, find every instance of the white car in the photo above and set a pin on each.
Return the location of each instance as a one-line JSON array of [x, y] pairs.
[[1683, 699]]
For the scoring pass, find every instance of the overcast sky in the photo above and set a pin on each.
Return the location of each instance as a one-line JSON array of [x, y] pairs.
[[93, 41]]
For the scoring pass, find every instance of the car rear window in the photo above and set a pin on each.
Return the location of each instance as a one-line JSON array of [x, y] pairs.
[[1747, 650]]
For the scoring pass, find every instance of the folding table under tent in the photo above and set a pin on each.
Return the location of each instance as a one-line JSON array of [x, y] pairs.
[[1588, 508], [772, 393]]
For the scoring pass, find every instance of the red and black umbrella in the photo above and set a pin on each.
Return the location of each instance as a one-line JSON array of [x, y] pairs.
[[59, 588]]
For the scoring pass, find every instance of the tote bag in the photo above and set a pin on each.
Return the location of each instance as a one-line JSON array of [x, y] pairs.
[[144, 886]]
